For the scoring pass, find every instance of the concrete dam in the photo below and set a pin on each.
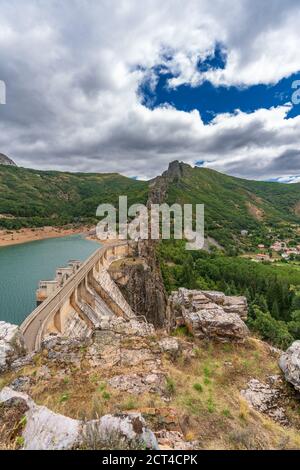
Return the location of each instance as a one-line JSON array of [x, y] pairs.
[[77, 302]]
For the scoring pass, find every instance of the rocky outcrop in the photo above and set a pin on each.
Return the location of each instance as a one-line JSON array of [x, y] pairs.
[[12, 345], [64, 351], [119, 343], [140, 383], [158, 187], [209, 314], [264, 397], [236, 304], [4, 160], [46, 430], [140, 282], [170, 346], [174, 440], [289, 363]]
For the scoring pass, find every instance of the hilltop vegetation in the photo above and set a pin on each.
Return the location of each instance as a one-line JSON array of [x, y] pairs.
[[32, 198]]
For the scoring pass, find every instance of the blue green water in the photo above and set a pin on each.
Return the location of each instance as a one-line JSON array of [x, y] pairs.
[[23, 266]]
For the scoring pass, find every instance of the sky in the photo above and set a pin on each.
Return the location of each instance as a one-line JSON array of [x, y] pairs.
[[128, 86]]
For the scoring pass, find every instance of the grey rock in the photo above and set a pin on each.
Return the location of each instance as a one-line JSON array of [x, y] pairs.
[[115, 431], [265, 399], [289, 363], [135, 357], [139, 383], [235, 304], [12, 345], [131, 328], [27, 360], [21, 384], [107, 356], [209, 314], [216, 296], [63, 350], [45, 430], [173, 440], [170, 346]]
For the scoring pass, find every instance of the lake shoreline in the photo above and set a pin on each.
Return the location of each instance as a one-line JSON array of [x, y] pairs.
[[24, 265], [27, 235]]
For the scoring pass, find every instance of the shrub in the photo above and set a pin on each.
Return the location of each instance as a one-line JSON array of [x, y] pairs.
[[170, 386], [271, 329], [198, 387]]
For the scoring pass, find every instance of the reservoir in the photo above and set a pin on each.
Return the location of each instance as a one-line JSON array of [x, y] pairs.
[[23, 266]]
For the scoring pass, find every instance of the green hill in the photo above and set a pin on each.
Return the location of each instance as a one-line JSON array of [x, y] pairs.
[[35, 198], [233, 204]]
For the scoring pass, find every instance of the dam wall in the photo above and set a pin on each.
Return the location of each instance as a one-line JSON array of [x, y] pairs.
[[80, 298]]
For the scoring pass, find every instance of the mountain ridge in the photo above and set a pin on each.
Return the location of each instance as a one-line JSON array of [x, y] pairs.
[[37, 198]]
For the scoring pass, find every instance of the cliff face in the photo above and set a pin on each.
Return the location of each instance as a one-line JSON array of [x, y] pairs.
[[140, 282], [4, 160], [158, 188]]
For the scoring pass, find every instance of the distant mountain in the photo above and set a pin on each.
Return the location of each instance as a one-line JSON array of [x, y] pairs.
[[36, 198], [4, 160]]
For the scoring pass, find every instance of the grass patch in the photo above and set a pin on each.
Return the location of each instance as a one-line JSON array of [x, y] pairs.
[[182, 331], [170, 386]]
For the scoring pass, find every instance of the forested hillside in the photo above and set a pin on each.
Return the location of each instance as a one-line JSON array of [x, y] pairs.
[[31, 198]]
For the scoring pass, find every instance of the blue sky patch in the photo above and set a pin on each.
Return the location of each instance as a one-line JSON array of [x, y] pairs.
[[217, 60], [210, 100]]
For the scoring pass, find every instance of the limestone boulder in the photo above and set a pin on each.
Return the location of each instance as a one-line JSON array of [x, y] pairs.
[[133, 327], [170, 346], [209, 314], [23, 361], [46, 430], [12, 345], [123, 431], [21, 384], [289, 363], [215, 323], [139, 356]]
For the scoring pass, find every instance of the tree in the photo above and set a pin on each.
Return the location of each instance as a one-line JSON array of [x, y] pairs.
[[271, 329], [188, 277], [294, 324]]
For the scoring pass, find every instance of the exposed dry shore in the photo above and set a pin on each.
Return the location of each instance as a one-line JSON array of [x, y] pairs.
[[25, 235], [94, 238]]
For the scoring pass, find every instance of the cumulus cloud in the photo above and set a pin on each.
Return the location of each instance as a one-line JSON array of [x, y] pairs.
[[73, 70]]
